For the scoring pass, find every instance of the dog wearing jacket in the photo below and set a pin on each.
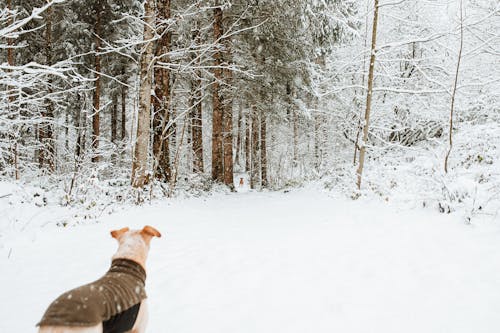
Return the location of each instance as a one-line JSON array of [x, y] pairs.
[[116, 303]]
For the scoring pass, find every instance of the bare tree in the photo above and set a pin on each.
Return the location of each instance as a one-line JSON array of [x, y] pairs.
[[366, 124], [452, 106]]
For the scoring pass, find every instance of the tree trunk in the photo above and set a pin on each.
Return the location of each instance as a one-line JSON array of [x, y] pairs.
[[161, 102], [123, 123], [295, 138], [197, 112], [248, 142], [140, 162], [263, 152], [238, 131], [255, 172], [114, 119], [45, 129], [97, 89], [452, 107], [217, 100], [12, 136], [228, 120], [362, 150]]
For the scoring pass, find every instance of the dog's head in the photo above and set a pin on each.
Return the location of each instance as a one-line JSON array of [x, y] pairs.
[[134, 244]]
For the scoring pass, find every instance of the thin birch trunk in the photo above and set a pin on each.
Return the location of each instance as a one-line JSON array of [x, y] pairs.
[[452, 107], [358, 132], [362, 151]]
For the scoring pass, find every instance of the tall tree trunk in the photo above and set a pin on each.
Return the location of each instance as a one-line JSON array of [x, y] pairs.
[[45, 129], [80, 125], [114, 119], [123, 122], [248, 142], [358, 128], [197, 114], [263, 152], [217, 100], [255, 172], [362, 150], [12, 136], [238, 131], [228, 119], [97, 89], [161, 102], [295, 139], [140, 162], [452, 107], [318, 141]]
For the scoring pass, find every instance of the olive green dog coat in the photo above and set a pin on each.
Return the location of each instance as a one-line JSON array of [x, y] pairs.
[[120, 289]]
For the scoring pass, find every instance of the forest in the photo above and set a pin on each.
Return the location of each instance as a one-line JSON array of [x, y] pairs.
[[154, 98]]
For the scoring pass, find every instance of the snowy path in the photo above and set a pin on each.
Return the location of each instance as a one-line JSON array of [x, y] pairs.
[[273, 262]]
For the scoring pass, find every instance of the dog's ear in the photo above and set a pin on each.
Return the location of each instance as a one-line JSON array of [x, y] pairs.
[[150, 231], [117, 233]]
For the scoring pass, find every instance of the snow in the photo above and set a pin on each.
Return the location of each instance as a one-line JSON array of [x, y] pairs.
[[302, 261]]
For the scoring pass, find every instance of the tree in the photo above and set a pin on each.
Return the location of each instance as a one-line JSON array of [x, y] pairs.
[[362, 151], [140, 169], [217, 100], [161, 100], [452, 104]]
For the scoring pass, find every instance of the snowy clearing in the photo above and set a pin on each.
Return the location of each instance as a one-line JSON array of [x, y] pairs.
[[303, 261]]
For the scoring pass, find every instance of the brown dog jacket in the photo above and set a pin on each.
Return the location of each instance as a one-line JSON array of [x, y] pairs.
[[114, 297]]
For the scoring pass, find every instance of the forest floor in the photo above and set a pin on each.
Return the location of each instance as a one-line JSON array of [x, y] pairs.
[[302, 261]]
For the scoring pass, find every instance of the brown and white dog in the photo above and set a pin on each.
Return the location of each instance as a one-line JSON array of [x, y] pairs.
[[128, 266]]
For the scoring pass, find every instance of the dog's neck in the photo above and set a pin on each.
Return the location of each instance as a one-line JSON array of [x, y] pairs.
[[132, 250]]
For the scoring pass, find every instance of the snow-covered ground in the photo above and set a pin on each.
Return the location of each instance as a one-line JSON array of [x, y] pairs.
[[303, 261]]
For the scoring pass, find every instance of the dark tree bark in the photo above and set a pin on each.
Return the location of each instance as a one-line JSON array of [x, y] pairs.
[[97, 88], [217, 100], [196, 116], [45, 129], [161, 102], [248, 142], [255, 172], [114, 119], [228, 120], [238, 131], [123, 122], [10, 61], [140, 176], [263, 152]]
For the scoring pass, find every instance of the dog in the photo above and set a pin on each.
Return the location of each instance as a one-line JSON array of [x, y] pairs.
[[116, 303]]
